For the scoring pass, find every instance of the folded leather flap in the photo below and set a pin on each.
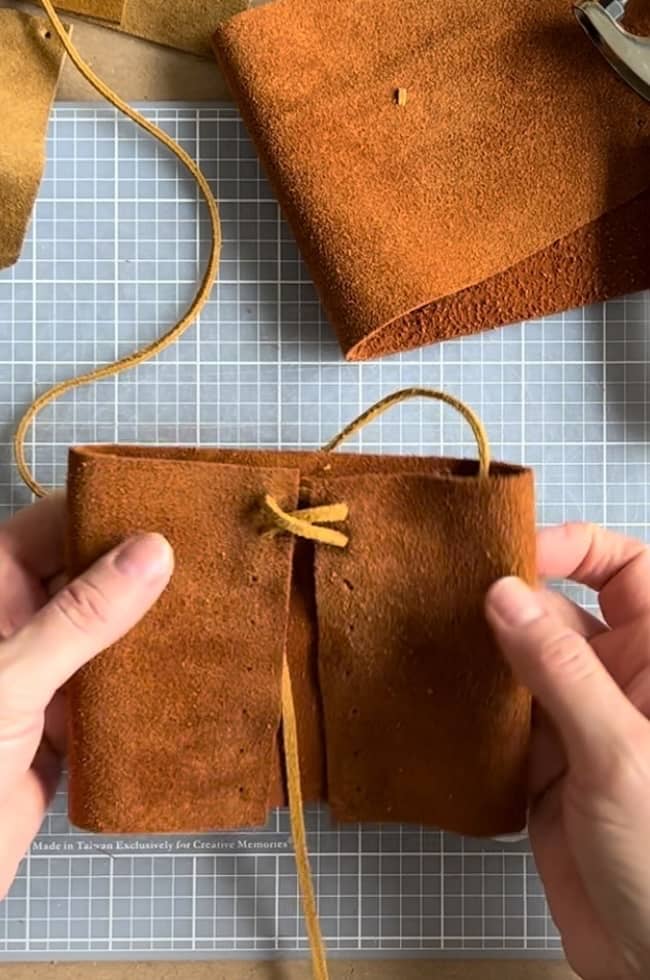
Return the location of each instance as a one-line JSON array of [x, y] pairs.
[[309, 463], [424, 721], [174, 728]]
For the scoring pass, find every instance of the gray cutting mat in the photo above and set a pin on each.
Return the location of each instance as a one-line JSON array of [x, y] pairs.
[[112, 257]]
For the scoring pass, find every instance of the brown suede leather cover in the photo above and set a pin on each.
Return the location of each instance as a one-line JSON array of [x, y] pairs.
[[406, 710], [512, 184]]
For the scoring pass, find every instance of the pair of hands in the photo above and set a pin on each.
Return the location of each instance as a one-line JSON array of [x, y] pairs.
[[590, 752]]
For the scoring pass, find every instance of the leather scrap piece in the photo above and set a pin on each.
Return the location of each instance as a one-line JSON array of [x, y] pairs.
[[186, 25], [105, 10], [30, 66], [183, 24], [405, 710], [505, 188]]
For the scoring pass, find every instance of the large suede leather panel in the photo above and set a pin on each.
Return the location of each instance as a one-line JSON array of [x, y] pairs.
[[416, 694], [174, 728], [405, 709]]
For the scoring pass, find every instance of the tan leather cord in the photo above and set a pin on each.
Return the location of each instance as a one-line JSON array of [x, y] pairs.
[[298, 834], [307, 523], [405, 394], [200, 298]]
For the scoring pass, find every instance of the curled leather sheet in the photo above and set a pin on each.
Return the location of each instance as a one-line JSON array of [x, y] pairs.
[[406, 711], [30, 65], [512, 181], [183, 24]]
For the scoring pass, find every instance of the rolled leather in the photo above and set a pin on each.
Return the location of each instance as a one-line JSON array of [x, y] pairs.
[[508, 180]]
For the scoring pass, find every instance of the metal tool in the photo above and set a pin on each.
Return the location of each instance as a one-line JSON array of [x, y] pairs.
[[628, 54]]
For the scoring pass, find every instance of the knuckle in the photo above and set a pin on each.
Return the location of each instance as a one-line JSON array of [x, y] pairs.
[[10, 623], [634, 753], [17, 596], [83, 604], [595, 549], [569, 654], [19, 724], [638, 693], [5, 541], [639, 567], [624, 772], [16, 697], [21, 711]]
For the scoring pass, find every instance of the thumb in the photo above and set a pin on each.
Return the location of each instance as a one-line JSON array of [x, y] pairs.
[[86, 616], [562, 671]]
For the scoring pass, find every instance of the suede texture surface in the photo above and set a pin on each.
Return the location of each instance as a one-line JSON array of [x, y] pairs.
[[183, 24], [29, 73], [509, 185], [406, 711], [637, 17], [104, 10], [174, 728]]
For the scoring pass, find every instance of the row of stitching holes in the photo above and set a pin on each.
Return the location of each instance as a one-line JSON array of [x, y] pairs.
[[350, 588], [354, 713]]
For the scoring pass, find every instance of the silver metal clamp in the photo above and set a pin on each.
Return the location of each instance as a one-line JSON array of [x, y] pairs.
[[628, 54]]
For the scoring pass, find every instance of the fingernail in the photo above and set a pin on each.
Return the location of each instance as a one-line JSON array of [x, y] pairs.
[[514, 602], [146, 556]]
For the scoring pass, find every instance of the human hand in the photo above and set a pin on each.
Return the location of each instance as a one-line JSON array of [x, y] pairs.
[[44, 642], [589, 819]]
